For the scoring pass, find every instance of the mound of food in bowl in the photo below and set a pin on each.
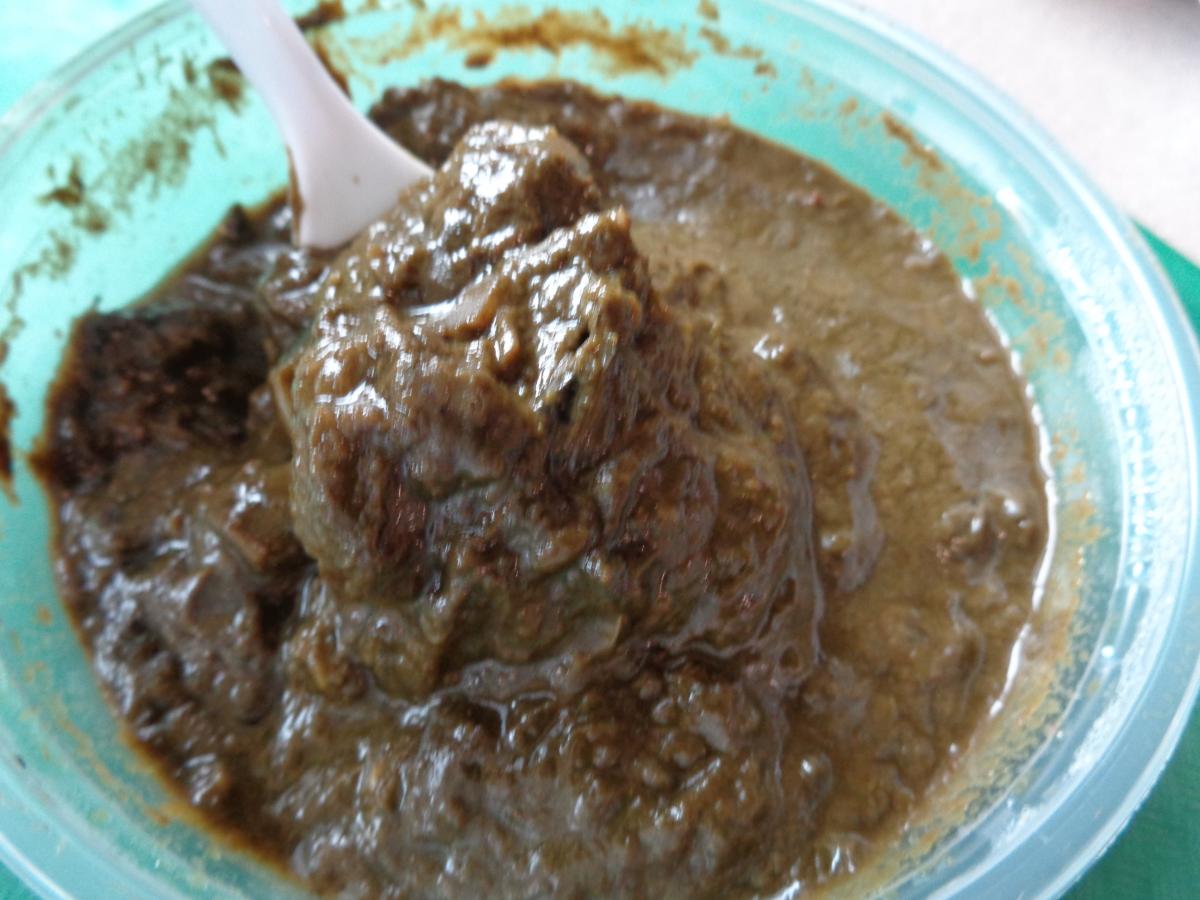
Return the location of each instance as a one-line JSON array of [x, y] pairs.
[[637, 509]]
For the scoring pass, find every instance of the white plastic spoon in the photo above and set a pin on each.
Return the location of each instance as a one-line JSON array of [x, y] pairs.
[[347, 172]]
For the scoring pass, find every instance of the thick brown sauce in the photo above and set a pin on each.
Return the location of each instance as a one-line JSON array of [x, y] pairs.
[[678, 560]]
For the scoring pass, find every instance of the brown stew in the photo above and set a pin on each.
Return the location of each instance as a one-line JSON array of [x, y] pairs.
[[638, 509]]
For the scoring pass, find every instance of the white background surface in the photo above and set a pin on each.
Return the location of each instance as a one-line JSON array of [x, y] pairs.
[[1117, 82]]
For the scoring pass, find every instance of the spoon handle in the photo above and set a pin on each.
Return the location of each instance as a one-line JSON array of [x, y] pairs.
[[345, 171]]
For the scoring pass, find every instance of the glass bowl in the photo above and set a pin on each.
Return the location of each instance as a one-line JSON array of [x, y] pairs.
[[163, 143]]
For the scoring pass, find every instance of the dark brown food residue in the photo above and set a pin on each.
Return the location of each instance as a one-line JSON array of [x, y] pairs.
[[610, 519], [324, 13], [480, 59], [901, 132], [631, 48], [226, 81], [8, 411], [72, 195], [722, 46]]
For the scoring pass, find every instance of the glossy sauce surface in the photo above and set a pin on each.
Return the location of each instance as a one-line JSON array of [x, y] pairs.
[[638, 509]]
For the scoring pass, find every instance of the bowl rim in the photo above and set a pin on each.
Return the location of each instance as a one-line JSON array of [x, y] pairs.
[[970, 93]]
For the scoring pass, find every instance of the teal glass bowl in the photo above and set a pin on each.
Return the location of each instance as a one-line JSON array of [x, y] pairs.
[[116, 167]]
